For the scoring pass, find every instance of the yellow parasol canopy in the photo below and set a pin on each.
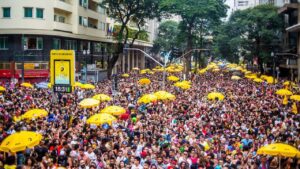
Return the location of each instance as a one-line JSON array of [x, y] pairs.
[[235, 78], [215, 95], [78, 84], [34, 114], [20, 141], [102, 97], [49, 85], [28, 85], [114, 110], [125, 75], [144, 81], [87, 86], [279, 149], [258, 80], [284, 92], [2, 89], [147, 98], [183, 85], [295, 97], [99, 119], [89, 103], [173, 78], [163, 95]]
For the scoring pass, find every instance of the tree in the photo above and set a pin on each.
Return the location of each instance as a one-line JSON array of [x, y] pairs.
[[124, 12], [167, 37], [253, 32], [197, 17]]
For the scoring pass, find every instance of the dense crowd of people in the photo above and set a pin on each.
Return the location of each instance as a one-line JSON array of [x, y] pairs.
[[189, 132]]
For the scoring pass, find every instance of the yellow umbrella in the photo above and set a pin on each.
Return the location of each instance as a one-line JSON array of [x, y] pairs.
[[279, 149], [202, 71], [295, 97], [49, 85], [78, 84], [89, 103], [235, 78], [34, 114], [99, 119], [114, 110], [20, 141], [271, 80], [87, 86], [284, 92], [163, 95], [173, 78], [102, 97], [216, 70], [28, 85], [147, 98], [182, 85], [215, 95], [144, 81], [2, 89], [258, 80], [295, 108], [125, 75]]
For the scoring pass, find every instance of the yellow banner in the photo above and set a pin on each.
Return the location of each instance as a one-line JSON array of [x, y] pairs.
[[28, 66]]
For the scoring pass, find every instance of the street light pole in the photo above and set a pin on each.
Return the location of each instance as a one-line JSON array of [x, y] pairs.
[[156, 61]]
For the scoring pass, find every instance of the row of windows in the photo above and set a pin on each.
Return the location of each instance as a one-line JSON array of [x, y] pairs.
[[27, 66], [36, 43], [28, 12], [83, 21]]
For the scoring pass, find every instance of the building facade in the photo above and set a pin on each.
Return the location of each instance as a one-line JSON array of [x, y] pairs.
[[30, 29]]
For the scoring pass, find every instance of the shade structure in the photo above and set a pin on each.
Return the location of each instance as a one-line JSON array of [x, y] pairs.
[[99, 119], [144, 81], [258, 80], [215, 96], [284, 92], [202, 71], [183, 85], [125, 75], [173, 78], [163, 95], [147, 98], [87, 86], [89, 103], [77, 84], [114, 110], [2, 89], [279, 149], [34, 114], [235, 78], [295, 97], [20, 141], [102, 97], [28, 85]]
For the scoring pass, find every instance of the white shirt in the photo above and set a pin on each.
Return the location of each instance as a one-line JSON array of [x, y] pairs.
[[136, 167]]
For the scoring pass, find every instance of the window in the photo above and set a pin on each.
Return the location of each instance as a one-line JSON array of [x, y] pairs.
[[101, 26], [97, 47], [61, 19], [101, 10], [83, 21], [56, 43], [28, 12], [32, 43], [84, 45], [71, 45], [3, 43], [6, 12], [83, 3], [4, 66], [39, 13]]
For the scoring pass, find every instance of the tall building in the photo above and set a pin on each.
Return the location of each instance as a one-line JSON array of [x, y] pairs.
[[30, 29]]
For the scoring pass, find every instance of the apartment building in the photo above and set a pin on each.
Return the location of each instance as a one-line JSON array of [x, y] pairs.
[[30, 29]]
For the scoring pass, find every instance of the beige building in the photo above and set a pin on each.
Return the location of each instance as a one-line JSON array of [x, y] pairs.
[[29, 29]]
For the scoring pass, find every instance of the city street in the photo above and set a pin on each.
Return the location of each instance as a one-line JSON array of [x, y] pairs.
[[215, 120]]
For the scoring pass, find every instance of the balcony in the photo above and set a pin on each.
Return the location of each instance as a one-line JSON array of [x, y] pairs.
[[63, 5], [288, 6], [62, 27]]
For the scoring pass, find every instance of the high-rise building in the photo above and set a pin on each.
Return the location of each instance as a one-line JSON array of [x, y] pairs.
[[30, 29]]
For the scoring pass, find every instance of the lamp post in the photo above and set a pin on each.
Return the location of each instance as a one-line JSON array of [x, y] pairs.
[[156, 61], [273, 57], [85, 54]]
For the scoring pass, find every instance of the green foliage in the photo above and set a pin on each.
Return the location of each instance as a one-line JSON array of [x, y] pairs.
[[143, 35], [250, 33], [167, 36]]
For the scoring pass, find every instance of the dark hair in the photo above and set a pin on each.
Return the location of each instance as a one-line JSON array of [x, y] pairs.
[[138, 159]]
